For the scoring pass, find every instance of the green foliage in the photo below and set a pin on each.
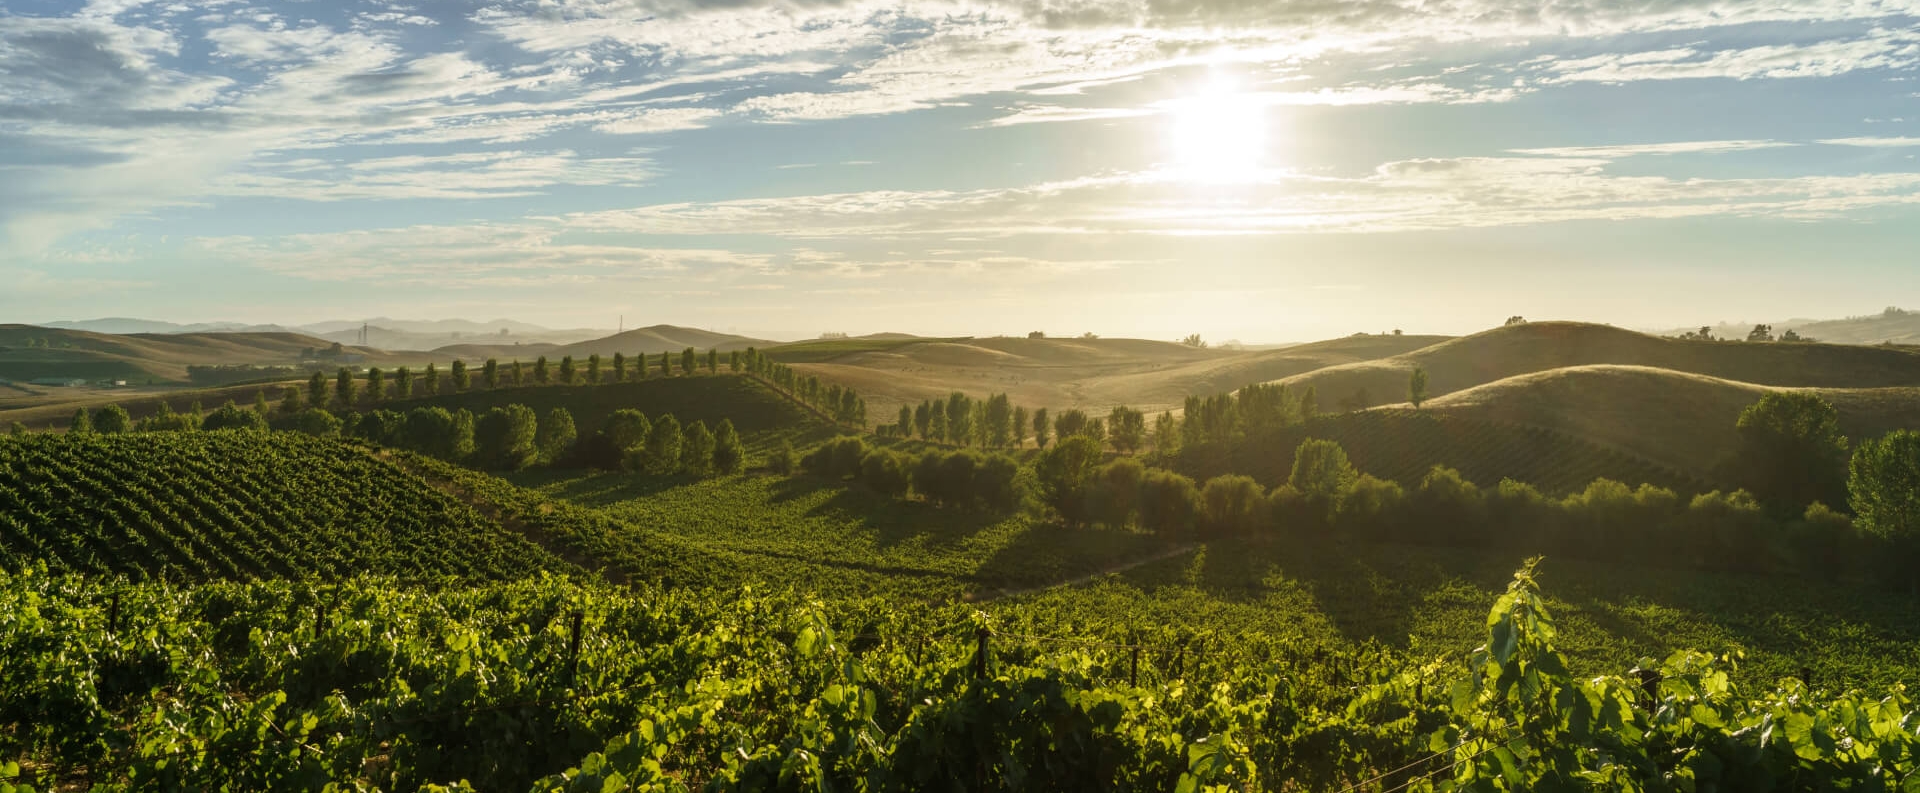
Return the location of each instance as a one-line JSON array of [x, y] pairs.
[[376, 385], [1042, 428], [1064, 473], [729, 456], [836, 459], [1126, 429], [781, 461], [696, 449], [231, 417], [555, 434], [627, 429], [81, 422], [663, 446], [1791, 451], [314, 422], [505, 438], [1885, 486], [1417, 387], [1232, 505], [1321, 469], [344, 388], [235, 505]]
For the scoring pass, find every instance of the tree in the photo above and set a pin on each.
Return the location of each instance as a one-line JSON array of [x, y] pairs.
[[17, 429], [316, 422], [430, 380], [1042, 428], [1884, 486], [81, 423], [1760, 333], [317, 390], [696, 449], [687, 362], [516, 374], [568, 376], [1321, 468], [290, 400], [1792, 335], [541, 375], [1194, 340], [504, 437], [1063, 473], [1166, 433], [640, 366], [781, 461], [1417, 387], [1126, 428], [112, 420], [260, 405], [593, 369], [1516, 320], [959, 419], [923, 419], [663, 446], [1019, 426], [1309, 404], [905, 420], [555, 435], [1071, 422], [713, 361], [1791, 451], [402, 383], [666, 364], [729, 457], [230, 417], [619, 367], [343, 388], [734, 364], [937, 420], [436, 432], [997, 421], [1231, 504], [376, 385], [489, 375], [627, 429]]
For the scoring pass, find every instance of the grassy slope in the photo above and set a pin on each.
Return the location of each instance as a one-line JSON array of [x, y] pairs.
[[822, 350], [1682, 420], [1403, 445], [657, 339], [235, 505], [1524, 349], [53, 408], [162, 356], [845, 540], [1093, 374]]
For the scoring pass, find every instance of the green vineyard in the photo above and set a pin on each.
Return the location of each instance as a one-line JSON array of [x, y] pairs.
[[238, 505], [1402, 445]]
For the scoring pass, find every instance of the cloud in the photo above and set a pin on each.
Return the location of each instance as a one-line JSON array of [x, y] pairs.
[[1405, 195], [1874, 143], [1657, 149], [1879, 49]]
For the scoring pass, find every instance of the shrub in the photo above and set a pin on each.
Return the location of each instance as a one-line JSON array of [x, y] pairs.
[[231, 417], [781, 461], [886, 472], [1168, 503], [1231, 505], [1113, 494]]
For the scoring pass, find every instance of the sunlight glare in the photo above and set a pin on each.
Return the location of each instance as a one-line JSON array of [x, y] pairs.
[[1219, 134]]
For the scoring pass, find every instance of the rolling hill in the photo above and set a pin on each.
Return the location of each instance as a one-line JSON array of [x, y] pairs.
[[1501, 353], [1403, 445], [1680, 419], [28, 351], [1093, 374], [651, 341]]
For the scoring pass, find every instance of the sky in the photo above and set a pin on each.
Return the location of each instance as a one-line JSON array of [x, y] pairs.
[[1258, 170]]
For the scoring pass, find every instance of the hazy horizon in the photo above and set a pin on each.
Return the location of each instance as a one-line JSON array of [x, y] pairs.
[[1262, 172]]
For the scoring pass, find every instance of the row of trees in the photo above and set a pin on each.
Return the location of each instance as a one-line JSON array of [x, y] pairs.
[[840, 404], [1760, 333], [962, 478], [347, 389]]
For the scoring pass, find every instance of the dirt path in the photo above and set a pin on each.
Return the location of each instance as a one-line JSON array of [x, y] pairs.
[[1118, 568]]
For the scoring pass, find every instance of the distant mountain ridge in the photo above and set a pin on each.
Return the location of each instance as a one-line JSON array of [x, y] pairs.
[[381, 332], [1894, 325]]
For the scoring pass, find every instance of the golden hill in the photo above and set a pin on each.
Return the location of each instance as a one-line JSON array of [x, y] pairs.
[[1677, 418], [31, 351], [1482, 358], [1091, 374]]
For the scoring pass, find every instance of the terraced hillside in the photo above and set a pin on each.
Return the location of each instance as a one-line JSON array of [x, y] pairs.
[[239, 505], [1512, 351], [1402, 445]]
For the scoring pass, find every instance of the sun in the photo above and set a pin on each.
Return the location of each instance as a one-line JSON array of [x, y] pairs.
[[1219, 133]]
